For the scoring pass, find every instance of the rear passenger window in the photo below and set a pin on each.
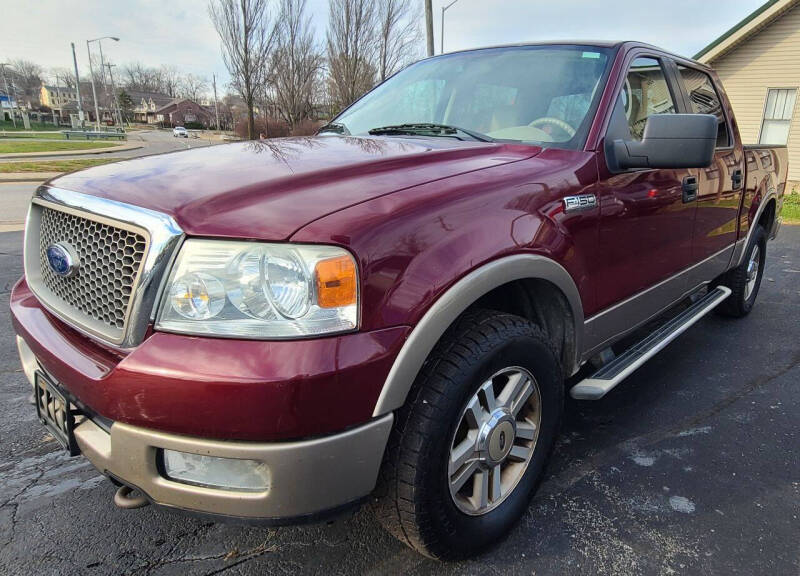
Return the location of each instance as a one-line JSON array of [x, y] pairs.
[[645, 94], [705, 100]]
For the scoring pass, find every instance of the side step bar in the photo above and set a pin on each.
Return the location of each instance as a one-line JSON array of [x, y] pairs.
[[601, 382]]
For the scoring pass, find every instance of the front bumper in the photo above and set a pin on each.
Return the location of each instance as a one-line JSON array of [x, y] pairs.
[[307, 477], [247, 390]]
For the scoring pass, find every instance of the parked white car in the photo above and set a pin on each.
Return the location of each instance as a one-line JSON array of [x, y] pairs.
[[180, 132]]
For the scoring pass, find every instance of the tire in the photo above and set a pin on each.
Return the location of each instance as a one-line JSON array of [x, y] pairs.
[[413, 500], [743, 293]]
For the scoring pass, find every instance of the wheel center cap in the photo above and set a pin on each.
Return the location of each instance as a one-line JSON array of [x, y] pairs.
[[497, 436]]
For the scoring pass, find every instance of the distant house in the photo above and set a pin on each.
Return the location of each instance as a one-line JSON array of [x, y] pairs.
[[758, 61], [63, 100], [145, 104], [182, 111]]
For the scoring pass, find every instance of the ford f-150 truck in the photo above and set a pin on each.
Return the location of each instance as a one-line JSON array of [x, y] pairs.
[[394, 309]]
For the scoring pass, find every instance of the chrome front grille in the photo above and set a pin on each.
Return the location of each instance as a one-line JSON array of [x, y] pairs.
[[120, 255], [110, 261]]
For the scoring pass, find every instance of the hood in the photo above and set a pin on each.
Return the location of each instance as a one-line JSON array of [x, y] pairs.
[[269, 189]]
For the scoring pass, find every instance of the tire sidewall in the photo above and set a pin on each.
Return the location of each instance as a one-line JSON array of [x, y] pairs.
[[759, 239], [466, 533]]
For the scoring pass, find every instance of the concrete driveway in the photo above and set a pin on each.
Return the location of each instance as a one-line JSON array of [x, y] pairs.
[[691, 466]]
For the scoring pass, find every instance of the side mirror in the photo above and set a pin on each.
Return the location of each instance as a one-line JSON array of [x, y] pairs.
[[669, 141]]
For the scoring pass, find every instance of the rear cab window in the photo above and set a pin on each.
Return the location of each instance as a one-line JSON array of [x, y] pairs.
[[704, 99]]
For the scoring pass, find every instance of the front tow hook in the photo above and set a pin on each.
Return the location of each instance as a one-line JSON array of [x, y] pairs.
[[123, 499]]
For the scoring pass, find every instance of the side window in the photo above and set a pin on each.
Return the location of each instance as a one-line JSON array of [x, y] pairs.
[[645, 94], [705, 100]]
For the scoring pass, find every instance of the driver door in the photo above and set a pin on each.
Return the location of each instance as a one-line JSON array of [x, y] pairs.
[[646, 220]]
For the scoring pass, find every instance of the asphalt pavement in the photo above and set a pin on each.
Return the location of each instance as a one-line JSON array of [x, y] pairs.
[[691, 466]]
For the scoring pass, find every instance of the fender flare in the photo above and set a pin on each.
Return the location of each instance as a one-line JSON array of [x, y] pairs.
[[741, 245], [456, 300]]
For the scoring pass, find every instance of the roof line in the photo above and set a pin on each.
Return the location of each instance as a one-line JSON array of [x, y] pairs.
[[741, 24]]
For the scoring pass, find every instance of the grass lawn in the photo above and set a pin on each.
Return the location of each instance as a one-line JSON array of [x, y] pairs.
[[28, 145], [791, 209], [52, 165], [51, 136], [9, 126]]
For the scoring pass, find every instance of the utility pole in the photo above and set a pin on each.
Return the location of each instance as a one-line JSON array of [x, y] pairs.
[[429, 25], [77, 84], [8, 94], [94, 91], [114, 92], [216, 109], [102, 72]]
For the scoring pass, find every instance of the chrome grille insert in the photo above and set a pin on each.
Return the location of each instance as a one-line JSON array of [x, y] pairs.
[[124, 253], [110, 262]]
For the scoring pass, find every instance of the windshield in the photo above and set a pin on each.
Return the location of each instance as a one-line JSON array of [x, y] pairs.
[[537, 94]]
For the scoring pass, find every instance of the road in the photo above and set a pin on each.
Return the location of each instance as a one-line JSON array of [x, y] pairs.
[[154, 142], [14, 197], [691, 466]]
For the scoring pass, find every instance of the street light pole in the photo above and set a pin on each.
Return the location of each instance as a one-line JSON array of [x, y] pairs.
[[441, 36], [216, 109]]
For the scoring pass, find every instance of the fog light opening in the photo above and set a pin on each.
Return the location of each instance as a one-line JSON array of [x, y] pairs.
[[215, 472]]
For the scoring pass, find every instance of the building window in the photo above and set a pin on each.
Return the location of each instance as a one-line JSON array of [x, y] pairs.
[[778, 116]]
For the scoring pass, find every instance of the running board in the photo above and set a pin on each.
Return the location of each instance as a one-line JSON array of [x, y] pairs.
[[601, 382]]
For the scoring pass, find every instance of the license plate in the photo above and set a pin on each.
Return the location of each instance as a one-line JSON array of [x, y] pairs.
[[55, 413]]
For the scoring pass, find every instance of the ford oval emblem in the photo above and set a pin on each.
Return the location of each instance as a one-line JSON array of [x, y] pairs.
[[62, 259]]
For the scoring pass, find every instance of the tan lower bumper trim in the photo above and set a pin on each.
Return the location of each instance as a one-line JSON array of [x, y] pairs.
[[306, 477]]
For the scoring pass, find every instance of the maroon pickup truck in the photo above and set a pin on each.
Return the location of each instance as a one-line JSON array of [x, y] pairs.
[[394, 309]]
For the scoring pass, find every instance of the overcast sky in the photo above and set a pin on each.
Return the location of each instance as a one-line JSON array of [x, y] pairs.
[[179, 32]]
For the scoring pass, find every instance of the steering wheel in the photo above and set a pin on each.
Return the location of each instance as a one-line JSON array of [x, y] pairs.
[[554, 122]]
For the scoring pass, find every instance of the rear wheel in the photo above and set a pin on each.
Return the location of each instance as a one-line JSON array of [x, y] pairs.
[[745, 280], [469, 447]]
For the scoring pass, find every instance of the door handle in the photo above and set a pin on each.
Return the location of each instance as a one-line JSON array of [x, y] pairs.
[[736, 179], [689, 188]]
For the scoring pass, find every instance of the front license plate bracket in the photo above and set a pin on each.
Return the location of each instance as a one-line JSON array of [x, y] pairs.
[[55, 412]]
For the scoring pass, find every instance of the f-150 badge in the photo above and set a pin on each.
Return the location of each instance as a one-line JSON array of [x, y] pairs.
[[580, 202]]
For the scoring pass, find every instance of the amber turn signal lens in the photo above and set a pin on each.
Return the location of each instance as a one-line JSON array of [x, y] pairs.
[[336, 282]]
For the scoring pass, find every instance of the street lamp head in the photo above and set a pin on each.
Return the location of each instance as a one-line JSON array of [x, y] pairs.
[[114, 38]]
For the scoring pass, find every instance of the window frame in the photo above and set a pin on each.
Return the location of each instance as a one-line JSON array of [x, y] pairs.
[[764, 113], [687, 101], [667, 66]]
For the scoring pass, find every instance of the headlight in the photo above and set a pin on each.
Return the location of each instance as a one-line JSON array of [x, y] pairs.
[[258, 290]]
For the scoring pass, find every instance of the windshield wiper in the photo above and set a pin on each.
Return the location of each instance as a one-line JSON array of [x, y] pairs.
[[334, 127], [429, 130]]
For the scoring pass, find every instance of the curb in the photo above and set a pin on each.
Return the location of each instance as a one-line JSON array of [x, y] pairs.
[[27, 177]]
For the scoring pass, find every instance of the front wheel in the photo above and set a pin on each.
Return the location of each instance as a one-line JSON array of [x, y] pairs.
[[469, 447]]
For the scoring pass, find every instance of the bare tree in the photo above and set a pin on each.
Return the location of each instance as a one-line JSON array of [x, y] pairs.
[[63, 77], [296, 64], [246, 31], [351, 50], [141, 78], [169, 80], [26, 76], [193, 87], [399, 35]]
